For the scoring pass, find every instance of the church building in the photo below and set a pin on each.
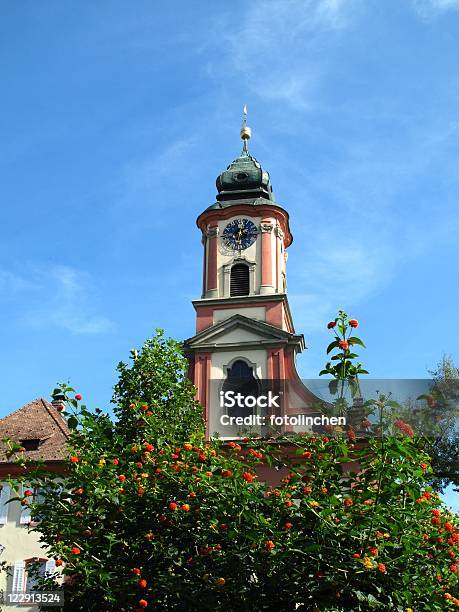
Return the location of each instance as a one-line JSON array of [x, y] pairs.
[[244, 327]]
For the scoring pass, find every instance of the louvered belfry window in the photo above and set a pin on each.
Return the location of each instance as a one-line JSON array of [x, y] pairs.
[[239, 280]]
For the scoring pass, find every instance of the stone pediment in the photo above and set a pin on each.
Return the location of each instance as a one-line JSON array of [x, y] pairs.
[[241, 331]]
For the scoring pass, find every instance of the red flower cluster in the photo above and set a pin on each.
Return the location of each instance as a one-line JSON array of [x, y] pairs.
[[234, 446], [351, 434], [248, 477], [343, 344], [404, 428]]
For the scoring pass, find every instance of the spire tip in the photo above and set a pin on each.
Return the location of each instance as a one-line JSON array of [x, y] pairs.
[[246, 132]]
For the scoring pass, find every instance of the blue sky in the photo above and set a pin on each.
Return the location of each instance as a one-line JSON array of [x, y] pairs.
[[116, 119]]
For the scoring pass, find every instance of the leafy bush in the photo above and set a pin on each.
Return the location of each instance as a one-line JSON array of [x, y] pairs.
[[151, 515]]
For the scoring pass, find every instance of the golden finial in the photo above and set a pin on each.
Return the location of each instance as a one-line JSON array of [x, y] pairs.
[[246, 132]]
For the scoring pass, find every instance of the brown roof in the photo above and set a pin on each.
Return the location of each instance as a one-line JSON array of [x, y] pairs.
[[37, 421]]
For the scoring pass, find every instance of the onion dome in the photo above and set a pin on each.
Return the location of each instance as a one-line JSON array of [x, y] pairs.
[[244, 179]]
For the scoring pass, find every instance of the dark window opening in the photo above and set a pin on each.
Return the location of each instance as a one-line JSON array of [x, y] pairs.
[[239, 284], [30, 445], [240, 379], [241, 176]]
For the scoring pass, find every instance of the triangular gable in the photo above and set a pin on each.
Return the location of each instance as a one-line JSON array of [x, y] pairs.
[[242, 330]]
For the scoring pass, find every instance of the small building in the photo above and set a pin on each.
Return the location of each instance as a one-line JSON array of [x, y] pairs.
[[42, 432]]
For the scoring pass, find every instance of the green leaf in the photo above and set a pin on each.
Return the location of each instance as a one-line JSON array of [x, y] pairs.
[[72, 422], [355, 340], [332, 346]]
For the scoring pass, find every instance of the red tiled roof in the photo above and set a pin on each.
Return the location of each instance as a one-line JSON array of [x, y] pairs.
[[38, 420]]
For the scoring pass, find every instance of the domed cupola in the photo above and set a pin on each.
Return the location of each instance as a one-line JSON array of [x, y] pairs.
[[244, 179]]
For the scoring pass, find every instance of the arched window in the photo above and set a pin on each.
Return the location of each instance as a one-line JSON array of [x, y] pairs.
[[239, 284], [23, 580], [240, 379]]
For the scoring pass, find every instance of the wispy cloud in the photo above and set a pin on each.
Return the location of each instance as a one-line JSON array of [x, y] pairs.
[[431, 8], [11, 283], [355, 252], [278, 50], [338, 275], [56, 296]]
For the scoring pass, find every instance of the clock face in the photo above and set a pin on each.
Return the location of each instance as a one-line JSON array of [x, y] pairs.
[[240, 234]]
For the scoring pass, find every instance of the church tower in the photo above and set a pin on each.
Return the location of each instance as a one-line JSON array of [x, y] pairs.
[[244, 327]]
